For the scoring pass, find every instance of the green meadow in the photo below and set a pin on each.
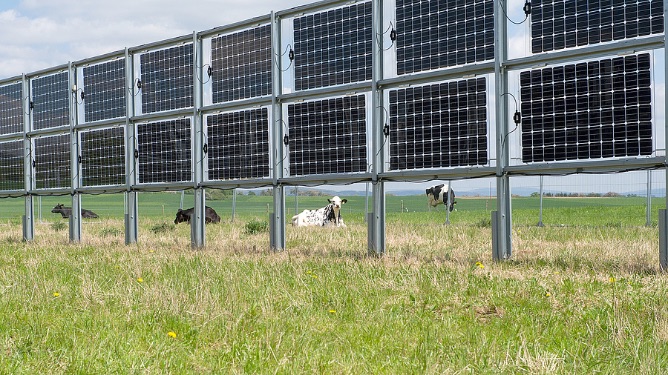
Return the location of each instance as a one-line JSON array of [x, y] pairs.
[[582, 294]]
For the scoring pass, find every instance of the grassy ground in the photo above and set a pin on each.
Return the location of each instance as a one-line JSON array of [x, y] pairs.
[[582, 295]]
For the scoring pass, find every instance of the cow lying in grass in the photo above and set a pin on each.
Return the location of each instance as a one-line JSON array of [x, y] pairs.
[[184, 216], [441, 194], [328, 215], [66, 212]]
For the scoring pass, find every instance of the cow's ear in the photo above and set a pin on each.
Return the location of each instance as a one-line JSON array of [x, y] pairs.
[[343, 201], [329, 200]]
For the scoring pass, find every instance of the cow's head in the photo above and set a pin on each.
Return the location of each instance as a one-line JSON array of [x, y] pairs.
[[181, 217], [337, 202], [58, 208]]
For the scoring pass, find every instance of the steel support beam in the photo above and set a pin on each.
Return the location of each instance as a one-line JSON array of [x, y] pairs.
[[376, 245], [131, 204], [198, 221], [277, 219]]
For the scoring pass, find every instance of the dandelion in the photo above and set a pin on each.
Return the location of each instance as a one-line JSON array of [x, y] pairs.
[[479, 265], [332, 311], [56, 294], [547, 294], [140, 280], [612, 279], [171, 334]]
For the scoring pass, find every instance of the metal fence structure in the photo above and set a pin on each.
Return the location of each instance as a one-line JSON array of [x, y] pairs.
[[338, 92]]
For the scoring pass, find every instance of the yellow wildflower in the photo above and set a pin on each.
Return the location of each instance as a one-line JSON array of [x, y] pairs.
[[171, 334]]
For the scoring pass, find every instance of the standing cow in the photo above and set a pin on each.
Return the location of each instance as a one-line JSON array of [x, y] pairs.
[[66, 212], [441, 194], [184, 216], [328, 215]]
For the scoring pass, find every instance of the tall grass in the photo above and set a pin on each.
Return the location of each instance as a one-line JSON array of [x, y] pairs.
[[574, 299]]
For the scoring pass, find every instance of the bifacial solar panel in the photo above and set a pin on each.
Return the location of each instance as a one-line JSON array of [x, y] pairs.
[[103, 157], [563, 24], [241, 65], [238, 145], [50, 101], [52, 162], [440, 125], [589, 110], [439, 33], [11, 108], [164, 151], [333, 47], [328, 136], [167, 79], [11, 165], [104, 91]]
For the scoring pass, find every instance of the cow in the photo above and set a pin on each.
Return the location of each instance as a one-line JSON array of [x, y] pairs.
[[66, 212], [441, 194], [210, 215], [328, 215]]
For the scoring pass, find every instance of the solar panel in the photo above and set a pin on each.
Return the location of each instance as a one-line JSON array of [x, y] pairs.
[[440, 125], [104, 91], [328, 136], [563, 24], [167, 79], [438, 34], [11, 165], [164, 151], [241, 65], [11, 108], [333, 47], [52, 162], [50, 101], [238, 145], [103, 157], [589, 110]]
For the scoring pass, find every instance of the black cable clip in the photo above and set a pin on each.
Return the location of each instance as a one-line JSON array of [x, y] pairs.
[[139, 84], [517, 117], [393, 35], [209, 71], [205, 149], [286, 139], [136, 154], [82, 95], [527, 8], [386, 130], [291, 54]]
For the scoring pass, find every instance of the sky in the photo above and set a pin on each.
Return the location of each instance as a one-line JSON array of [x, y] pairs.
[[39, 34]]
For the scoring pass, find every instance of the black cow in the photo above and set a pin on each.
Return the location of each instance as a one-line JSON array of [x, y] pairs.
[[183, 216], [441, 194], [66, 212]]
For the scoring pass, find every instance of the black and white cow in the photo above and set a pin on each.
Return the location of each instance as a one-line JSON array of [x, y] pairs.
[[66, 212], [441, 194], [184, 216], [328, 215]]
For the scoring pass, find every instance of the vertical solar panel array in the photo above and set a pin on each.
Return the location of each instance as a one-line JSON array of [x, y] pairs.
[[104, 91], [241, 65], [11, 108], [333, 47], [11, 165], [50, 101], [563, 24], [52, 162], [594, 109], [238, 145], [103, 157], [438, 34], [164, 151], [167, 79], [328, 136], [441, 125]]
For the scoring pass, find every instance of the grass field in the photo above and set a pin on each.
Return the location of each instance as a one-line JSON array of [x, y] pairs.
[[584, 294]]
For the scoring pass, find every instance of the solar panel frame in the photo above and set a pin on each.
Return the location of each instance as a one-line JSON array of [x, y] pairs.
[[52, 161], [241, 64], [11, 165], [50, 101], [11, 108], [102, 157], [440, 125], [600, 109], [164, 151], [333, 47], [238, 145], [562, 24], [104, 90], [166, 78], [439, 34], [328, 136]]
